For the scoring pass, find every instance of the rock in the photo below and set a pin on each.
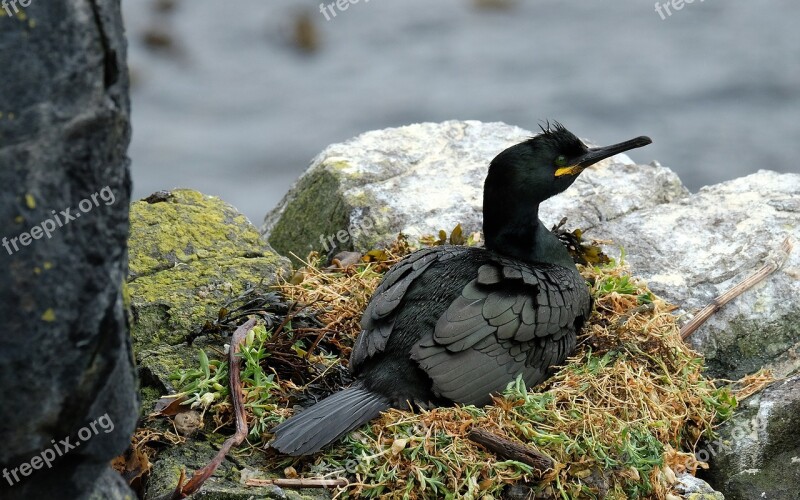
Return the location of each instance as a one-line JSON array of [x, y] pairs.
[[65, 358], [425, 177], [110, 486], [695, 248], [693, 488], [757, 454], [189, 254], [188, 423], [224, 484]]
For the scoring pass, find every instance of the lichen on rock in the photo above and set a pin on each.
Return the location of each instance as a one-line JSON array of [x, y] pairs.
[[189, 253]]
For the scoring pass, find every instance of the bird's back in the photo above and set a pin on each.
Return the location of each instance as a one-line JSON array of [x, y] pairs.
[[455, 324]]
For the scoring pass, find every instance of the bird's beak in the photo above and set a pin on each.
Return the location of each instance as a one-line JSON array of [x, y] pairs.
[[596, 154]]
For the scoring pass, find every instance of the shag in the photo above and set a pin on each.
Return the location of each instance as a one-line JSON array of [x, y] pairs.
[[455, 324]]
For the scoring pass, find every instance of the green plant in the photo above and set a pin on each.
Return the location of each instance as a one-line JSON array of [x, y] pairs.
[[208, 385]]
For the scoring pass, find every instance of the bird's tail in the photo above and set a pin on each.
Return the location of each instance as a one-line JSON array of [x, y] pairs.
[[325, 422]]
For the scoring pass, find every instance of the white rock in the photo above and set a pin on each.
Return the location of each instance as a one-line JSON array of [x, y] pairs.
[[695, 248]]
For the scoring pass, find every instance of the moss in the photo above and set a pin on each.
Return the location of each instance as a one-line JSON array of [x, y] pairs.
[[185, 227], [379, 233], [189, 254], [224, 484], [170, 304], [301, 227], [49, 315], [338, 165], [149, 396]]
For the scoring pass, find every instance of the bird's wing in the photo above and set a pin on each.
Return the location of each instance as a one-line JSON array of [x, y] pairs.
[[378, 319], [511, 319]]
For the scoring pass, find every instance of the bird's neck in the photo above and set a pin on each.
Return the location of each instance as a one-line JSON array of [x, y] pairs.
[[517, 232]]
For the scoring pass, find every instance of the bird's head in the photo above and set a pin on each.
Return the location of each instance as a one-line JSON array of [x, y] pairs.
[[546, 164], [525, 175]]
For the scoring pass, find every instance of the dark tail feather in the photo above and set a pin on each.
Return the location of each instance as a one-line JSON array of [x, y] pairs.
[[325, 422]]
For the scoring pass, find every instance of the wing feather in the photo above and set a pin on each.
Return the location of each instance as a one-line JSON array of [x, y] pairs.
[[511, 319], [378, 320]]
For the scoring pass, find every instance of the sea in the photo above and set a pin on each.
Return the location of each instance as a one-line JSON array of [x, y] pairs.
[[235, 98]]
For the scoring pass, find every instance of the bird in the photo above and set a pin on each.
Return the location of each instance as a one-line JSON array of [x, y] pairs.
[[455, 324]]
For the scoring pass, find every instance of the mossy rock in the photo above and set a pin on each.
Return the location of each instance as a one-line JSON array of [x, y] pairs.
[[316, 209], [189, 254], [225, 483]]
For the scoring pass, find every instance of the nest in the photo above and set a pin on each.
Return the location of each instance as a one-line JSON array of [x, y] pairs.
[[617, 420]]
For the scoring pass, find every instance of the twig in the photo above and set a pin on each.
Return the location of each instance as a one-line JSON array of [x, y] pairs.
[[509, 450], [290, 315], [770, 267], [643, 308], [200, 476], [298, 483]]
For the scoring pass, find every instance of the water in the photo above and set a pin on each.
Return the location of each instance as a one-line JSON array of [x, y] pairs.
[[234, 109]]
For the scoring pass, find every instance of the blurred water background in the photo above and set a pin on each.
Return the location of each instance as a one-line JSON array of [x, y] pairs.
[[235, 98]]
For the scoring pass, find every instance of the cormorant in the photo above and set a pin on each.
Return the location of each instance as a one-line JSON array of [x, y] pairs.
[[455, 324]]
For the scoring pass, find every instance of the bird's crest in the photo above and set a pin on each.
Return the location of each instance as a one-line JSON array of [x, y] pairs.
[[556, 136]]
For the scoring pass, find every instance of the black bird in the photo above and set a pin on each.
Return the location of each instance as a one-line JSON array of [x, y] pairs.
[[453, 324]]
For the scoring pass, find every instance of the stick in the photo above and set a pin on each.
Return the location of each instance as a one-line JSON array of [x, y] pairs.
[[509, 450], [299, 483], [757, 277], [199, 477]]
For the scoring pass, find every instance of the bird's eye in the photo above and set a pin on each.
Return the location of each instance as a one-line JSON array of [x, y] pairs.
[[561, 161]]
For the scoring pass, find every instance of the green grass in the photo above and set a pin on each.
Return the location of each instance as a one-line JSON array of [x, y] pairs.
[[207, 386]]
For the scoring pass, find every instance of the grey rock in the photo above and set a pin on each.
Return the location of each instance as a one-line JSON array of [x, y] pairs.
[[111, 486], [757, 454], [65, 356], [425, 177], [694, 488], [693, 249]]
